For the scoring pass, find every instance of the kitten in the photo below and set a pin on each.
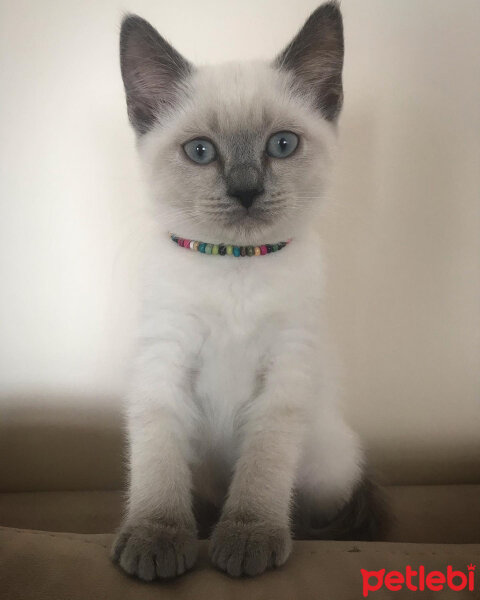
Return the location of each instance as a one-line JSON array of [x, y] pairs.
[[232, 412]]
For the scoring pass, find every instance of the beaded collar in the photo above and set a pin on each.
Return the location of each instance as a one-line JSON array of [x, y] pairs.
[[227, 249]]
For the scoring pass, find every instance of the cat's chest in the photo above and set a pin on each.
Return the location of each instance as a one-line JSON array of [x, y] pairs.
[[235, 350], [235, 312], [229, 376]]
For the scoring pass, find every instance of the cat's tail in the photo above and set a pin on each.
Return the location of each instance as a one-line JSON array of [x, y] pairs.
[[366, 516]]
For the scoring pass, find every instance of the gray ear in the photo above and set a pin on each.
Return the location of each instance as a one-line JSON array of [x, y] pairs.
[[152, 72], [315, 57]]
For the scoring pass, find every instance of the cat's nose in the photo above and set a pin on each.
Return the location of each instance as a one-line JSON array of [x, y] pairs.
[[244, 183], [247, 196]]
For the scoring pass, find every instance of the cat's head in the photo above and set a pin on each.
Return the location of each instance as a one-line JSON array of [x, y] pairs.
[[238, 152]]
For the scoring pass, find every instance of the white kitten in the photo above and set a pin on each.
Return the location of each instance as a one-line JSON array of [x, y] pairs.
[[232, 408]]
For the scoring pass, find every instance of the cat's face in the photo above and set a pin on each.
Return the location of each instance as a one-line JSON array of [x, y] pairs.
[[236, 153], [243, 161]]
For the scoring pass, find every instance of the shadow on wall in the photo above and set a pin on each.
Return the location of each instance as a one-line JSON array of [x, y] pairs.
[[61, 443]]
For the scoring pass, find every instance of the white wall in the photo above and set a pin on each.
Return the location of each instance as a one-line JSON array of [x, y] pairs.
[[402, 236]]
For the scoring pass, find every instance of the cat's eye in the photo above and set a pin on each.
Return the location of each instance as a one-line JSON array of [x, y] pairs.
[[282, 144], [200, 151]]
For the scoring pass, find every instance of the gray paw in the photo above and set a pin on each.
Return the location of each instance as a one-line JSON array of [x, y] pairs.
[[153, 550], [249, 548]]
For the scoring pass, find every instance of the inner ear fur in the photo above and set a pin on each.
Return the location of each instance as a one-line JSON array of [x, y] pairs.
[[152, 72]]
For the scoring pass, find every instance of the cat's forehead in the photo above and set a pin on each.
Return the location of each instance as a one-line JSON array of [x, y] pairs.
[[241, 97]]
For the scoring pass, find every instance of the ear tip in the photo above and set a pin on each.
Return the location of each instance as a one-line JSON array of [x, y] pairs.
[[332, 6], [328, 10], [132, 22]]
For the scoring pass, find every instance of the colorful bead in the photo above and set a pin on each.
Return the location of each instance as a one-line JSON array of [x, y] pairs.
[[229, 249]]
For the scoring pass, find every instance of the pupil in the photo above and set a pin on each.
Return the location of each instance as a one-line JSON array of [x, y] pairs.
[[282, 142], [200, 149]]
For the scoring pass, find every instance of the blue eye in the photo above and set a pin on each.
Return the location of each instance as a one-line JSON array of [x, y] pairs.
[[282, 144], [200, 151]]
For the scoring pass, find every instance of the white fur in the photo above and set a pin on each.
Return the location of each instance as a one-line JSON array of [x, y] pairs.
[[232, 390]]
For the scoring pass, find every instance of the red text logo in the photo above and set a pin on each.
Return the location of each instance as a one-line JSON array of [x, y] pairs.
[[418, 580]]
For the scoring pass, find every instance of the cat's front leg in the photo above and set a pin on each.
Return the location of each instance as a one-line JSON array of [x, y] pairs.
[[158, 538], [253, 532]]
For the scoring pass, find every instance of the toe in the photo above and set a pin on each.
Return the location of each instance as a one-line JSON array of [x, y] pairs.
[[118, 546], [146, 567], [256, 559], [166, 561], [129, 561], [234, 564]]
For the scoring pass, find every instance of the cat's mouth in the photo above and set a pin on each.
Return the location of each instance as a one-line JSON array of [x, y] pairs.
[[253, 217], [249, 222], [256, 216], [232, 223]]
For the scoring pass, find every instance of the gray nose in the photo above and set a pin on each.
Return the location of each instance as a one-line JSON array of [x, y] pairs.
[[244, 183]]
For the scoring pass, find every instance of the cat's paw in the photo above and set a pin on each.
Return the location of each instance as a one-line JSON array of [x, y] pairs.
[[151, 550], [249, 548]]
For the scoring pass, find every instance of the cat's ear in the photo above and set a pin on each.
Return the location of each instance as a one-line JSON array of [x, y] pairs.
[[315, 57], [152, 72]]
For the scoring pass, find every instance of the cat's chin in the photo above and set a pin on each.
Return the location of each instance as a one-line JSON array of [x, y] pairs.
[[246, 229], [249, 226], [245, 233]]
